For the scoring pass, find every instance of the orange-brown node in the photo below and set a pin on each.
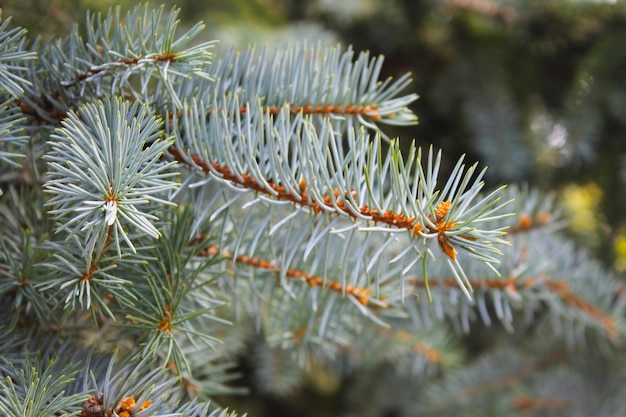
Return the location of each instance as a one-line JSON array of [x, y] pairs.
[[442, 209], [373, 213], [314, 281], [359, 110], [510, 286], [308, 109], [403, 336], [319, 108], [375, 117], [431, 354], [25, 108], [559, 286], [93, 407], [190, 386], [298, 335], [22, 280], [165, 57], [337, 109], [145, 405], [524, 222], [351, 109], [526, 403], [165, 325], [294, 273], [127, 404], [266, 265], [510, 281], [534, 403], [56, 114], [212, 250], [328, 109], [361, 292], [445, 246], [543, 217], [87, 276], [296, 109]]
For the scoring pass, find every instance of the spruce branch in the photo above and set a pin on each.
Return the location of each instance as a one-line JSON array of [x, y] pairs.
[[13, 57], [106, 175], [77, 279], [410, 352], [285, 159], [173, 301], [104, 166], [531, 381], [326, 82], [38, 388], [20, 276], [138, 389], [11, 139], [362, 295], [126, 388], [534, 210], [129, 55], [300, 222], [533, 286], [136, 43]]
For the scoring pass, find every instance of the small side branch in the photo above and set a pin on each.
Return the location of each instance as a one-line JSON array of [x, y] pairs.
[[526, 223], [362, 295], [96, 262], [367, 111], [126, 62], [279, 192], [513, 286]]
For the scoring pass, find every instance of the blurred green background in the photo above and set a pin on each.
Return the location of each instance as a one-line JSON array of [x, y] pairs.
[[534, 89]]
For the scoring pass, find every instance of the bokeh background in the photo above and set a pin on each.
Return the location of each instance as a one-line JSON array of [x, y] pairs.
[[535, 89]]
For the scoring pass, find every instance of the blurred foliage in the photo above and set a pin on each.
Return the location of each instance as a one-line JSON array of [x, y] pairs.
[[535, 89], [581, 210]]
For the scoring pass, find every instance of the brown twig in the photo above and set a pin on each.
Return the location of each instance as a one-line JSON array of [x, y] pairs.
[[391, 219]]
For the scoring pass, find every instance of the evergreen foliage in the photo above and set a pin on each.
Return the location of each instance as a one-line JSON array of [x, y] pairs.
[[170, 206]]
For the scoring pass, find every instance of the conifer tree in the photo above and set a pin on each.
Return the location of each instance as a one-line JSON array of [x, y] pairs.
[[169, 206]]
